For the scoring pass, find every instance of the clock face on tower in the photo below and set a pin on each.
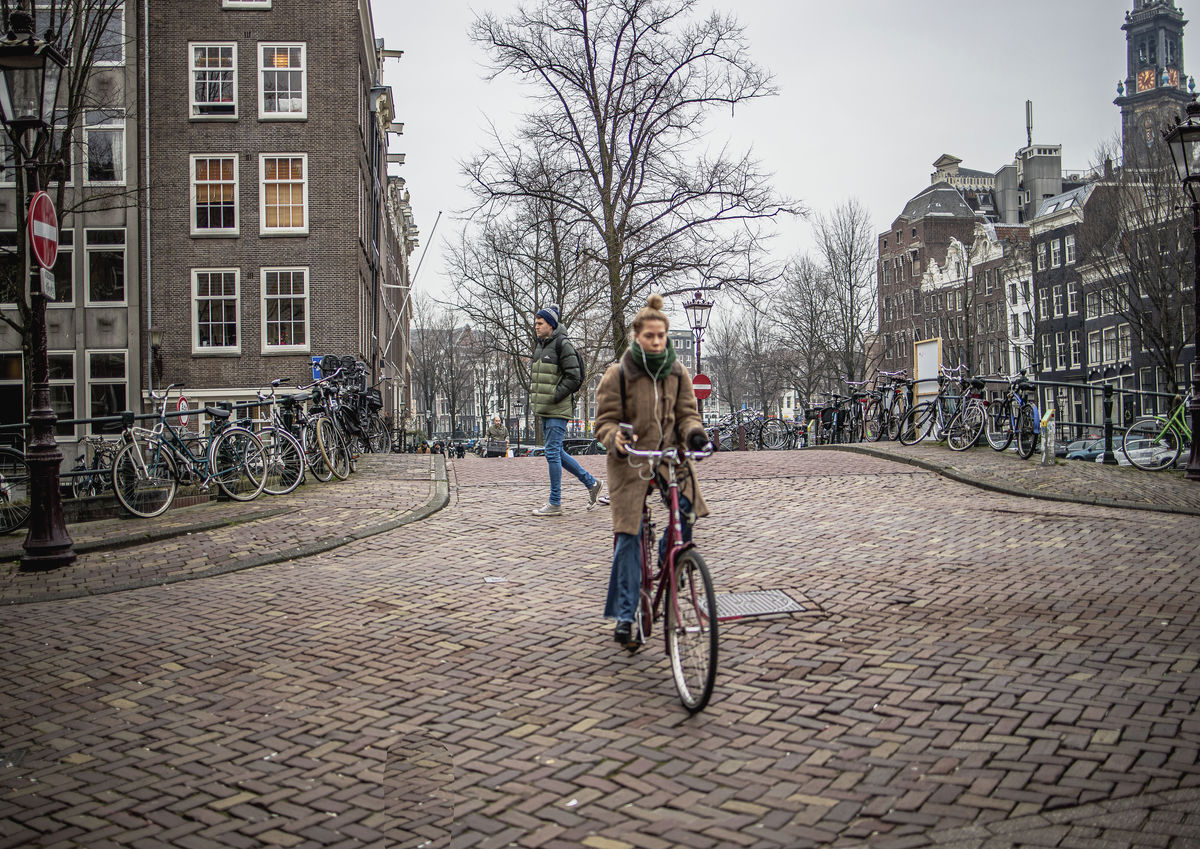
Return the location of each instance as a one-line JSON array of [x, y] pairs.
[[1145, 79], [1173, 77]]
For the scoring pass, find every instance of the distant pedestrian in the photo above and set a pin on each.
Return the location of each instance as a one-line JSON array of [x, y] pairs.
[[557, 376]]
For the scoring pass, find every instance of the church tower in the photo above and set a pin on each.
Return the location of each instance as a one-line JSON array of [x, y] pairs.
[[1155, 89]]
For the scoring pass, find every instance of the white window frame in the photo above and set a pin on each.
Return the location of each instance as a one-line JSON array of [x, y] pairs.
[[1060, 351], [67, 249], [263, 115], [263, 229], [111, 123], [1095, 348], [63, 381], [1070, 249], [1075, 343], [122, 11], [193, 104], [1047, 353], [1041, 257], [87, 270], [89, 382], [1043, 303], [193, 196], [1109, 337], [1057, 293], [202, 350], [263, 298], [1072, 297], [1056, 253]]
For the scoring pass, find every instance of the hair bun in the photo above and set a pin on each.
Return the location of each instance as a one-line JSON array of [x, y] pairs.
[[655, 301]]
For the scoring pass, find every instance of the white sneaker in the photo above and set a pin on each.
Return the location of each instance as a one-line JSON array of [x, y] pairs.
[[548, 509]]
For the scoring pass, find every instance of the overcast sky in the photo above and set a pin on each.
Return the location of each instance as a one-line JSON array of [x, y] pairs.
[[871, 93]]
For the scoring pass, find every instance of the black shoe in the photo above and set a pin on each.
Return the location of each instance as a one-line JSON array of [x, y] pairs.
[[623, 633]]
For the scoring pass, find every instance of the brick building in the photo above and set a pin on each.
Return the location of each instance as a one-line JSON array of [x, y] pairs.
[[274, 234]]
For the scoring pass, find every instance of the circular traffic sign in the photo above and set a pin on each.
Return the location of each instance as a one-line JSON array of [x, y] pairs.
[[702, 385], [182, 407], [43, 230]]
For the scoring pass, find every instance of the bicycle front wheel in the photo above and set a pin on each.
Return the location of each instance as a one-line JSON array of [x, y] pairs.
[[333, 448], [238, 463], [999, 426], [377, 435], [1027, 437], [284, 461], [312, 454], [915, 424], [1151, 443], [144, 478], [774, 435], [873, 424], [965, 427], [14, 491], [691, 631]]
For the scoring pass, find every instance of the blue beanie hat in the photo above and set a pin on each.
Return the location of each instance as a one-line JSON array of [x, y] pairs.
[[550, 314]]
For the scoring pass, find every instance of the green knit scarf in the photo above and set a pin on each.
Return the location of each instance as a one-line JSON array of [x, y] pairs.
[[657, 366]]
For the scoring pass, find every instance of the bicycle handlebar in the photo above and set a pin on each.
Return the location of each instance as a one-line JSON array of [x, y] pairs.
[[669, 455]]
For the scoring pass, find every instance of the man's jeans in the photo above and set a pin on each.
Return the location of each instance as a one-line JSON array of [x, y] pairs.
[[558, 459], [626, 577]]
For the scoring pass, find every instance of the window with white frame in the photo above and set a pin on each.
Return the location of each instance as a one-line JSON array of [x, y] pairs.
[[110, 46], [104, 146], [1047, 352], [1060, 351], [1092, 304], [1073, 298], [1041, 257], [1070, 243], [105, 269], [12, 273], [216, 302], [1016, 326], [1075, 342], [1043, 303], [213, 69], [285, 309], [107, 383], [1110, 344], [214, 194], [1124, 342], [1056, 253], [64, 269], [1095, 351], [282, 81], [1012, 294], [283, 193], [62, 390], [1058, 300], [12, 388]]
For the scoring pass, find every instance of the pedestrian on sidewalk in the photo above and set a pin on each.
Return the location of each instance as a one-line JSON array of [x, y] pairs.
[[657, 399], [557, 376]]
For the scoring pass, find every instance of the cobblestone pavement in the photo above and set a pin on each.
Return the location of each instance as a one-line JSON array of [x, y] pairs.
[[972, 669]]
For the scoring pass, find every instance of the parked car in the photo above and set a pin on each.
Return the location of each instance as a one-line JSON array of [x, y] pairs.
[[1085, 449], [577, 445], [1146, 449]]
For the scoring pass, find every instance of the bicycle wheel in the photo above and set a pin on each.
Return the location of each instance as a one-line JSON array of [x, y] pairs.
[[1151, 443], [915, 424], [774, 435], [965, 427], [145, 478], [284, 463], [312, 454], [238, 463], [14, 491], [691, 631], [872, 421], [1027, 437], [377, 435], [643, 619], [333, 448], [999, 426], [895, 414]]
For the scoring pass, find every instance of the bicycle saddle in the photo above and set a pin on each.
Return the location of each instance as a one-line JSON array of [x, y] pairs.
[[217, 412]]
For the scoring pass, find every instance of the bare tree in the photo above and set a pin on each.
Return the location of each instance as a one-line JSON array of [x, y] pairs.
[[425, 357], [846, 245], [804, 315], [726, 341], [622, 92]]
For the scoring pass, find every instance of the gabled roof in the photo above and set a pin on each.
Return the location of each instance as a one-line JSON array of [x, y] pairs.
[[1074, 198], [940, 199]]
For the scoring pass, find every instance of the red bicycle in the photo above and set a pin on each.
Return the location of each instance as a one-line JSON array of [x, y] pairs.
[[679, 589]]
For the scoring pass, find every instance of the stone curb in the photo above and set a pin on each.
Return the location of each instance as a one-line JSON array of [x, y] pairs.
[[441, 497], [1005, 490]]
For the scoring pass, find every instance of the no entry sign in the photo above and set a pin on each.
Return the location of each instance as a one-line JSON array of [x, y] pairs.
[[43, 230], [182, 407], [702, 385]]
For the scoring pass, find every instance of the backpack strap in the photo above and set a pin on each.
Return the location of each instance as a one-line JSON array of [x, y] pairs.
[[621, 374]]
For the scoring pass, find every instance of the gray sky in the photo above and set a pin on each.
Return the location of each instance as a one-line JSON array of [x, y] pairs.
[[871, 93]]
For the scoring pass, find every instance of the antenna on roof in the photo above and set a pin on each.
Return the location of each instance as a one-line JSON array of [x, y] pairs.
[[1029, 123]]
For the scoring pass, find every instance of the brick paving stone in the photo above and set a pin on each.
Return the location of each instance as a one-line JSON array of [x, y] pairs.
[[977, 669]]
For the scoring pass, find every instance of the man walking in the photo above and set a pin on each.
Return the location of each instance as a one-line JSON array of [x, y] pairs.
[[557, 375]]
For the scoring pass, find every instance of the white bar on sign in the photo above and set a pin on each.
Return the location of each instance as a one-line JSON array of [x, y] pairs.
[[44, 230]]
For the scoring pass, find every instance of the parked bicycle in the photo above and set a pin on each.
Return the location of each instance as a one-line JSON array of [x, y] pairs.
[[1015, 415], [14, 490], [932, 418], [92, 472], [1154, 442]]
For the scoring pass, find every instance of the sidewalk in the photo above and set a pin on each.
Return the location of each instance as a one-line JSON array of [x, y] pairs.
[[1074, 481], [387, 491]]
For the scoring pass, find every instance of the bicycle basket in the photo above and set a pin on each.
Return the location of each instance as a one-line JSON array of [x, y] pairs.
[[330, 364], [374, 399]]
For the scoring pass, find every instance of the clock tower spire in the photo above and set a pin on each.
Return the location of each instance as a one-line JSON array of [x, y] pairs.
[[1155, 89]]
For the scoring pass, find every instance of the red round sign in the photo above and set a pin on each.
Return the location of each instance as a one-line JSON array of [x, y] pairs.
[[182, 407], [702, 385], [43, 230]]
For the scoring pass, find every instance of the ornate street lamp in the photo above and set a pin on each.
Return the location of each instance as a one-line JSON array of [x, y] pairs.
[[698, 310], [1184, 142], [30, 72]]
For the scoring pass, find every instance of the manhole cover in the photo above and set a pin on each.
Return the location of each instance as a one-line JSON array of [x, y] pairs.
[[757, 603]]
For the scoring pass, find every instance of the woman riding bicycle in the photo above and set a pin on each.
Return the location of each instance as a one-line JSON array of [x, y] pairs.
[[652, 391]]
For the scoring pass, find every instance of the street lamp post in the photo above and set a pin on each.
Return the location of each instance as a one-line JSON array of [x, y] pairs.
[[1184, 142], [30, 73], [698, 310]]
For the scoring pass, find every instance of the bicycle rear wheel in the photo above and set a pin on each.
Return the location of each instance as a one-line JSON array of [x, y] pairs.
[[14, 491], [145, 478], [873, 425], [643, 619], [312, 454], [1027, 437], [895, 414], [965, 427], [238, 463], [999, 426], [1151, 443], [333, 448], [915, 424], [774, 434], [377, 435], [284, 461], [691, 631]]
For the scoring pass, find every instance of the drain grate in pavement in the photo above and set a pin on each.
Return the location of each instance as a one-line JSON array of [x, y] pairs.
[[756, 604]]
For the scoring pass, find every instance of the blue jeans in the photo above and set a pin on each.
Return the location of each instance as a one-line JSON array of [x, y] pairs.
[[558, 459], [625, 579]]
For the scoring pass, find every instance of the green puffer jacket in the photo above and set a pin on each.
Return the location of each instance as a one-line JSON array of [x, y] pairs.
[[555, 382]]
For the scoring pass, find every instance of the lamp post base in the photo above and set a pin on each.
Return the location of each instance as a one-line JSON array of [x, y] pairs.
[[1193, 466]]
